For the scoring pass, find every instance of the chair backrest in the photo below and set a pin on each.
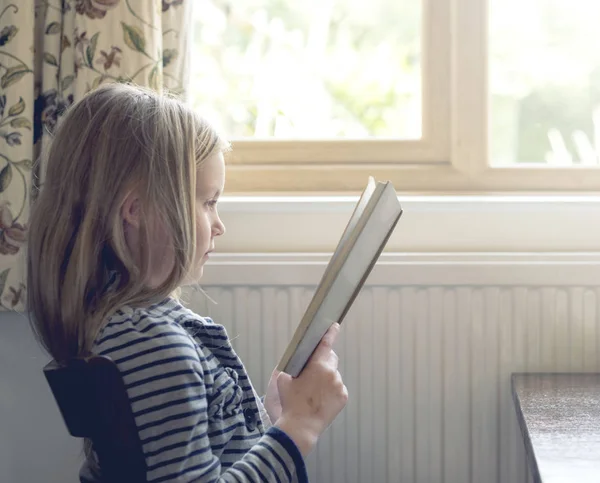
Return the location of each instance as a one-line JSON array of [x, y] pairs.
[[93, 401]]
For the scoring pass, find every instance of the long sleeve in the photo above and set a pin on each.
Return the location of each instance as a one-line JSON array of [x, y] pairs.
[[178, 446], [190, 412]]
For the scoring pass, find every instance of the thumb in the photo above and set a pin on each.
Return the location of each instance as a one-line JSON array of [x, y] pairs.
[[331, 335], [283, 381], [326, 344]]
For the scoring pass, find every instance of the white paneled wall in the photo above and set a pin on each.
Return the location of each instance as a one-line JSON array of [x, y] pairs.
[[426, 352]]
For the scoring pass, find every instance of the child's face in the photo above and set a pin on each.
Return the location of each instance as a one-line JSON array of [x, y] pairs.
[[209, 186], [210, 183]]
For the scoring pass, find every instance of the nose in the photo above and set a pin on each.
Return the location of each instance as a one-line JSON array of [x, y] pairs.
[[218, 227]]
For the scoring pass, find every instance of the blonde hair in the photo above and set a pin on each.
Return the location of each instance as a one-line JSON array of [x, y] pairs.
[[116, 139]]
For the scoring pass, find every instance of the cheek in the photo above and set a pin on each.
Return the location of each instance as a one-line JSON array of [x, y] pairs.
[[203, 228], [161, 256]]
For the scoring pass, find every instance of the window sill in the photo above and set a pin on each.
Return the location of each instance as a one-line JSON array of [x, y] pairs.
[[511, 223]]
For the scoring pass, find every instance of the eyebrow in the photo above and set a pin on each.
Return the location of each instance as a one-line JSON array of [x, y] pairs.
[[207, 192]]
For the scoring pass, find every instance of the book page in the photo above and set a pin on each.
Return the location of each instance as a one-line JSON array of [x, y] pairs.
[[356, 214]]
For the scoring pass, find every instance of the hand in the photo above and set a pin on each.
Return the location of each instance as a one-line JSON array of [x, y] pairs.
[[310, 402], [272, 400]]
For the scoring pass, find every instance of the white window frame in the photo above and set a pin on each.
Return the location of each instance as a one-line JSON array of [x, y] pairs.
[[452, 156]]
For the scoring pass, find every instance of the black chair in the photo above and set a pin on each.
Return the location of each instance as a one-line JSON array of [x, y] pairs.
[[92, 399]]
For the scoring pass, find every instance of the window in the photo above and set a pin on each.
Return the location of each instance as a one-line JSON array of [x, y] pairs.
[[310, 70], [545, 82], [435, 95]]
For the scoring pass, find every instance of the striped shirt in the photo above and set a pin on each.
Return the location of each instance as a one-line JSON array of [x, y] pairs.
[[197, 414]]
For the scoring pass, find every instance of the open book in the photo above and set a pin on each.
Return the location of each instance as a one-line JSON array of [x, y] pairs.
[[370, 226]]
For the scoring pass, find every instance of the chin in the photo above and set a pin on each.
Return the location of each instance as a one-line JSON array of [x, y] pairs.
[[194, 276]]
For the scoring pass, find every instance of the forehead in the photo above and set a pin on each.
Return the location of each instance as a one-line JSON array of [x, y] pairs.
[[211, 174]]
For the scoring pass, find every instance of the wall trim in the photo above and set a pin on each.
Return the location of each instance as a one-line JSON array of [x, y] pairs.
[[441, 269], [428, 224]]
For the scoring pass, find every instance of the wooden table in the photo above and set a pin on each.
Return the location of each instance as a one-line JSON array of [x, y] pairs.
[[559, 415]]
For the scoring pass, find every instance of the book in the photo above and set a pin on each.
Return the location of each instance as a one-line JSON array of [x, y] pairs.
[[372, 222]]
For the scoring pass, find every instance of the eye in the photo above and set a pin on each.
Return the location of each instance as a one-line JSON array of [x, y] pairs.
[[211, 204]]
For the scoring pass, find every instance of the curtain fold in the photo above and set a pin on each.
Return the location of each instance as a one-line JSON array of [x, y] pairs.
[[52, 53]]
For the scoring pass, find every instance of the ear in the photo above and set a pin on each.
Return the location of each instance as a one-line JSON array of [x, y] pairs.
[[131, 209]]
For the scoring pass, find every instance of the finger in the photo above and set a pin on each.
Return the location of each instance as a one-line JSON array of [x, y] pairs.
[[331, 335], [323, 350], [283, 380], [333, 360], [325, 345], [344, 391]]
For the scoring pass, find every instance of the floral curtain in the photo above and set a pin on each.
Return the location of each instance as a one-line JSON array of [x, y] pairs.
[[51, 53]]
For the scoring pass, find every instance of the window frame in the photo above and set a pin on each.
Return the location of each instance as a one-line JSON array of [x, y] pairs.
[[452, 156]]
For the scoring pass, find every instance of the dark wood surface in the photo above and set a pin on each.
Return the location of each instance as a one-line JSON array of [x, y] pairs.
[[559, 415]]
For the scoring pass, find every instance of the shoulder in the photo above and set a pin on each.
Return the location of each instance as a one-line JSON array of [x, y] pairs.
[[158, 330]]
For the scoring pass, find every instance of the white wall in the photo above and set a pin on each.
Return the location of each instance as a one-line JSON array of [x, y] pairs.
[[429, 224], [34, 444]]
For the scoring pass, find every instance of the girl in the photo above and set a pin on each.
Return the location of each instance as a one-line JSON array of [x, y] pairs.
[[127, 214]]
